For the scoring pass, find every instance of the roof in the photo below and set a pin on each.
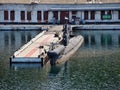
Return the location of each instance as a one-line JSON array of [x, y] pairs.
[[60, 1], [61, 7]]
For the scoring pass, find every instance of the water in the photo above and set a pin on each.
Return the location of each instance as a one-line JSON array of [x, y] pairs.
[[95, 66]]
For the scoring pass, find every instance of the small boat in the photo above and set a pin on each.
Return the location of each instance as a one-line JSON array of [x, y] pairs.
[[63, 51]]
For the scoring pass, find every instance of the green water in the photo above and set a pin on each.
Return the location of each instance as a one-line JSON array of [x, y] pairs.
[[95, 66]]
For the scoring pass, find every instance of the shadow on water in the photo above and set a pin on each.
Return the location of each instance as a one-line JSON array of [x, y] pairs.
[[18, 66], [56, 69]]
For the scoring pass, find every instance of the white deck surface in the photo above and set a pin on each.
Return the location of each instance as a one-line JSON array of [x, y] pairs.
[[32, 49]]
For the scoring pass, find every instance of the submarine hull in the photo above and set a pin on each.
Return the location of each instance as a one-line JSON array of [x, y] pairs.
[[74, 43], [70, 49], [55, 53]]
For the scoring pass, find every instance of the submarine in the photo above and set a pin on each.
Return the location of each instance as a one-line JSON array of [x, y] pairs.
[[70, 43]]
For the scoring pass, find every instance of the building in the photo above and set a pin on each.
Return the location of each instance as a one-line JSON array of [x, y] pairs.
[[56, 13]]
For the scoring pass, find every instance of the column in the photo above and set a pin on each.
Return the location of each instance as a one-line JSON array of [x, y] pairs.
[[34, 16], [42, 16], [89, 15], [17, 16], [8, 15], [2, 16], [115, 15], [79, 14], [50, 16], [70, 16], [82, 15], [26, 16], [97, 16], [59, 16]]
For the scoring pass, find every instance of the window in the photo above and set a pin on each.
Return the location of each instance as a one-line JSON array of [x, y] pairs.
[[39, 15], [92, 17], [119, 14], [12, 15], [55, 14], [5, 15], [106, 15], [102, 13], [29, 15], [45, 15], [109, 12], [22, 15], [86, 15], [74, 14]]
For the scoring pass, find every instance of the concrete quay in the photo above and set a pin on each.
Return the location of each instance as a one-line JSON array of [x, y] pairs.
[[97, 27], [22, 27], [58, 27]]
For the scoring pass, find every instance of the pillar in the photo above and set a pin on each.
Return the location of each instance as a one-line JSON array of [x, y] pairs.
[[34, 16], [89, 15], [2, 16], [50, 16], [79, 14], [8, 15], [82, 15], [115, 15], [70, 16], [97, 15], [42, 16], [58, 16], [17, 16]]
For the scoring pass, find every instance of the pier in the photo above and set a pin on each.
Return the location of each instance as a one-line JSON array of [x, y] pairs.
[[30, 52]]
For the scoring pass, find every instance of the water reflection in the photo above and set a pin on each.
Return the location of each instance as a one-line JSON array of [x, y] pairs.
[[119, 39], [15, 39], [23, 38], [100, 38], [106, 39], [6, 39], [12, 38], [29, 37]]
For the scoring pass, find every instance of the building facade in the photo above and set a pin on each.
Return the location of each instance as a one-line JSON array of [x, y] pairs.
[[56, 13]]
